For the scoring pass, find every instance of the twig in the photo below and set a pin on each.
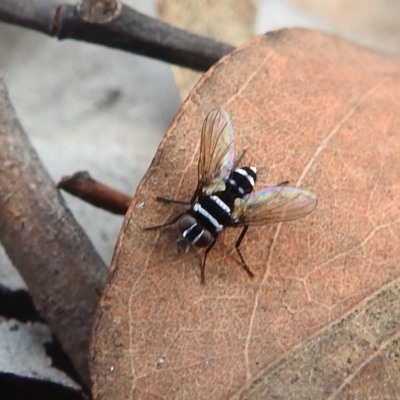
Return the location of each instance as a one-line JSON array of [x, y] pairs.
[[82, 185], [64, 273], [112, 24]]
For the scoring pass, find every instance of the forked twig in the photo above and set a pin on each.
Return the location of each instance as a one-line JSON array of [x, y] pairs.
[[110, 23]]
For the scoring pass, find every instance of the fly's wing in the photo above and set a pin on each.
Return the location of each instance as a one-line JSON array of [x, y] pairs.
[[274, 204], [217, 151]]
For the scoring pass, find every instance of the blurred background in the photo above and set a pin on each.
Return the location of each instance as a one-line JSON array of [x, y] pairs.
[[91, 108]]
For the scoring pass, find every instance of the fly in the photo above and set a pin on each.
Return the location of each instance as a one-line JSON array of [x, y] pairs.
[[224, 195]]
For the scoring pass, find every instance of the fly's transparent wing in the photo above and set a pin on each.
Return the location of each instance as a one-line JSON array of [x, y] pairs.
[[274, 204], [217, 151]]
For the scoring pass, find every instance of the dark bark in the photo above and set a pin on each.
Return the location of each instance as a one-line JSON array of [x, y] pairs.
[[64, 273]]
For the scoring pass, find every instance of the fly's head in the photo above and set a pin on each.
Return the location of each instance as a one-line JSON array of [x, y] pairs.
[[193, 233]]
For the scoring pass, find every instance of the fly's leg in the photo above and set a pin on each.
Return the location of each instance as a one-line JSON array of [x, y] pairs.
[[196, 194], [173, 221], [284, 183], [166, 200], [238, 161], [203, 265], [237, 244]]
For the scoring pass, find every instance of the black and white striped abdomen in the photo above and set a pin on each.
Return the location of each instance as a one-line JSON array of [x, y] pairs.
[[241, 181]]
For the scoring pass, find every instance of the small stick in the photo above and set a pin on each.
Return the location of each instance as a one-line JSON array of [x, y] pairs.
[[83, 186]]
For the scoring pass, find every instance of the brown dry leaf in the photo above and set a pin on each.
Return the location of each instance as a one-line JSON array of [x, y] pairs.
[[230, 21], [321, 319], [371, 23]]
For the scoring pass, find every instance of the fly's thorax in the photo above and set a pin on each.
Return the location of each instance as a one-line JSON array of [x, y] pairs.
[[242, 180], [215, 186], [193, 232]]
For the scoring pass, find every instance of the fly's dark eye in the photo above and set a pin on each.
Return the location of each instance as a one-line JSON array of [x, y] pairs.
[[205, 239], [186, 222]]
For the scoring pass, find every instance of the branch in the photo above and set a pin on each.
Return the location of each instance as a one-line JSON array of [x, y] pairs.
[[109, 23], [83, 186], [64, 274]]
